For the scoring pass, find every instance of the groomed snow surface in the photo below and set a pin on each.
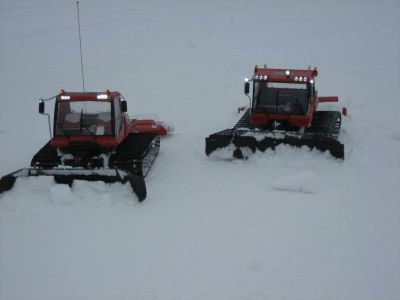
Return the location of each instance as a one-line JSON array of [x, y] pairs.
[[289, 224]]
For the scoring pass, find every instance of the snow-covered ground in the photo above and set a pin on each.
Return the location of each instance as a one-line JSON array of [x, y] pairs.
[[290, 224]]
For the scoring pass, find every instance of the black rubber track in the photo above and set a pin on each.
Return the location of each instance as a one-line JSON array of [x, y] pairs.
[[322, 135], [135, 155]]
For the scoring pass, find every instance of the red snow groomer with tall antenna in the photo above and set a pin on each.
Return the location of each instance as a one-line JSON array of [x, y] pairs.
[[283, 110], [94, 139]]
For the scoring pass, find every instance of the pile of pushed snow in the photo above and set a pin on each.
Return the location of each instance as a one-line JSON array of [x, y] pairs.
[[302, 181], [287, 151], [286, 168], [225, 153], [43, 190]]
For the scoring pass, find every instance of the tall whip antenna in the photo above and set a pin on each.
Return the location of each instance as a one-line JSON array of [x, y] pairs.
[[80, 45]]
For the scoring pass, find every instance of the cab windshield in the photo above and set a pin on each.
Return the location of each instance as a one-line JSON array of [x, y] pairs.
[[281, 98], [83, 118]]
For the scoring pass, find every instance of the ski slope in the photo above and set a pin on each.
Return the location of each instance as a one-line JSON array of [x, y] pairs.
[[289, 224]]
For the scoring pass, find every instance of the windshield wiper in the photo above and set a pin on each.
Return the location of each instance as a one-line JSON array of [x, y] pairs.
[[300, 106], [87, 129], [84, 126]]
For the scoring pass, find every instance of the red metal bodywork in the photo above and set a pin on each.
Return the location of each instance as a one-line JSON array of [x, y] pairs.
[[279, 75], [148, 126], [328, 99], [289, 76], [128, 125]]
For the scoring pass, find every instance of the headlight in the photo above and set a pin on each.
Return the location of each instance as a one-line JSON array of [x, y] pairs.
[[102, 96]]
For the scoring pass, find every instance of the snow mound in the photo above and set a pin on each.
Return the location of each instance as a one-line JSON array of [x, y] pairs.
[[61, 194], [396, 136], [225, 153], [303, 181], [39, 192]]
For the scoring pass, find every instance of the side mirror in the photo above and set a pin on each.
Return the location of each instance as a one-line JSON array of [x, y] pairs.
[[246, 88], [41, 107], [124, 106]]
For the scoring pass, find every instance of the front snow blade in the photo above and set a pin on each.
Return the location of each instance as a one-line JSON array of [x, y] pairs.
[[67, 176], [262, 140]]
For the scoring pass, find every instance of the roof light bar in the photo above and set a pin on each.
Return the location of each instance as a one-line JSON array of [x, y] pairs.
[[288, 73]]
